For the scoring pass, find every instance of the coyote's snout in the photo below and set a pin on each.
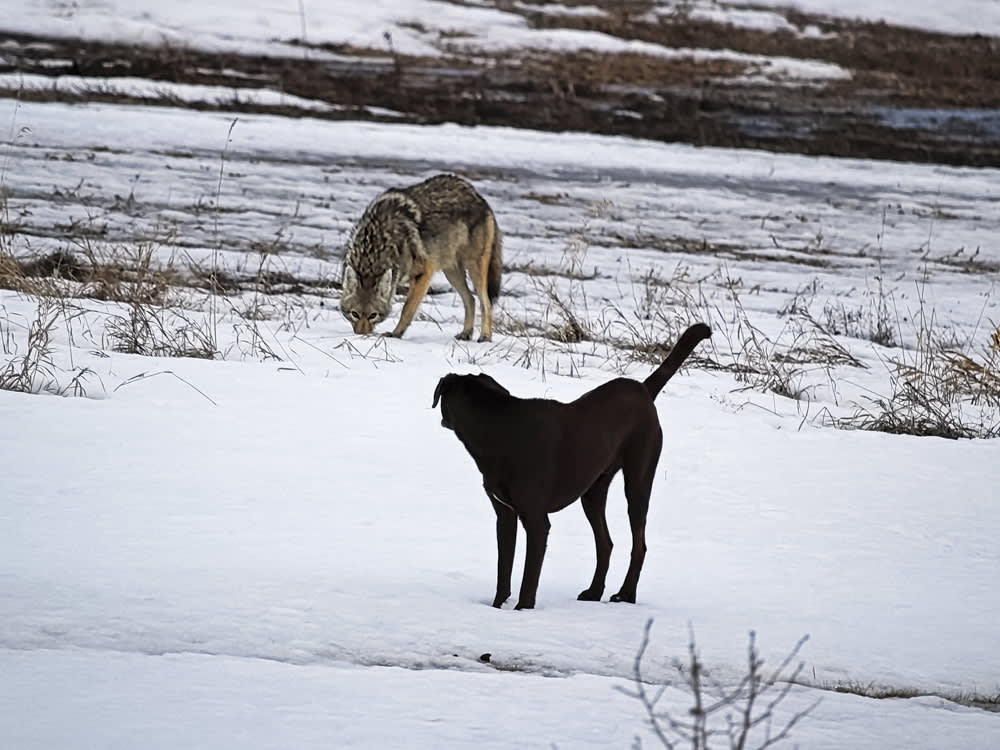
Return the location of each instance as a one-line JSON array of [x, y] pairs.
[[440, 223]]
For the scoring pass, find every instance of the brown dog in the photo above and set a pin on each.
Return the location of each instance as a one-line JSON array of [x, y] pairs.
[[537, 456]]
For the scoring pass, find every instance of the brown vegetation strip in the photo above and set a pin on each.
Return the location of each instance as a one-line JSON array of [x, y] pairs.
[[648, 96]]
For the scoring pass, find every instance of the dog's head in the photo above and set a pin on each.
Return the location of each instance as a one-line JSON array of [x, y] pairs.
[[452, 384]]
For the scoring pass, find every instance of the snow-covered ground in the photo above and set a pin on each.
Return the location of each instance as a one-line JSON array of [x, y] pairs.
[[294, 553], [417, 26], [961, 17], [157, 546]]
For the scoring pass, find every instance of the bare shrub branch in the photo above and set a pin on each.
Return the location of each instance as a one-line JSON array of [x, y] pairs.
[[749, 709]]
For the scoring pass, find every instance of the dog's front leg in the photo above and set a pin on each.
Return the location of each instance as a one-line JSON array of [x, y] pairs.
[[506, 542], [536, 527]]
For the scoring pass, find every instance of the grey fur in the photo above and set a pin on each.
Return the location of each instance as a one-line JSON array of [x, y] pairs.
[[409, 233]]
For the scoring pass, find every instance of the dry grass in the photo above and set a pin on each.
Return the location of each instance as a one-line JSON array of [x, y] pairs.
[[31, 366], [938, 388], [663, 306], [930, 387], [875, 322], [150, 300], [116, 273], [530, 268], [157, 331], [883, 691], [150, 312], [928, 400]]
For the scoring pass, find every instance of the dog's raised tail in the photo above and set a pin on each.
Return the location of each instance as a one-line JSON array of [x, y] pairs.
[[684, 346]]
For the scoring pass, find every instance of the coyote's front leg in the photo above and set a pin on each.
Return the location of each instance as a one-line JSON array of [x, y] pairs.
[[420, 282]]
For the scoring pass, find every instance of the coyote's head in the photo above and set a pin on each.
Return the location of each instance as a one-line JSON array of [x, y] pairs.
[[366, 299]]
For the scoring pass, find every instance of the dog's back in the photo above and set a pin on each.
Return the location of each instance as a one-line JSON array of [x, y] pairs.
[[517, 441]]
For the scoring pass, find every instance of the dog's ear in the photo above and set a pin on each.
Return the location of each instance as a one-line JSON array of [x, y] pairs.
[[491, 384], [443, 386]]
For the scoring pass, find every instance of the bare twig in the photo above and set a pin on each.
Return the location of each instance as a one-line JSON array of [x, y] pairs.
[[749, 706]]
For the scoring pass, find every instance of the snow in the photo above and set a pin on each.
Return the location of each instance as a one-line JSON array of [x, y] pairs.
[[185, 551], [959, 17], [258, 27], [264, 554], [130, 86], [570, 39], [557, 9], [416, 26], [195, 701]]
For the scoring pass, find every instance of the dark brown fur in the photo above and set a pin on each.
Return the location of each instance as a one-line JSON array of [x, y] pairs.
[[537, 456]]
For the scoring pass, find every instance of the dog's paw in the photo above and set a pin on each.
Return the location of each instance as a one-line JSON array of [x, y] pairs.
[[499, 600], [525, 605], [464, 335], [590, 595], [483, 339], [624, 596]]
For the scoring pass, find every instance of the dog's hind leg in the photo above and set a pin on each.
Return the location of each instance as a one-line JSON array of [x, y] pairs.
[[536, 527], [637, 520], [594, 501], [638, 486], [506, 542]]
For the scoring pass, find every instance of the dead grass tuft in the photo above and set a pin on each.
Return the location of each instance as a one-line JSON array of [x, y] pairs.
[[33, 370], [937, 388]]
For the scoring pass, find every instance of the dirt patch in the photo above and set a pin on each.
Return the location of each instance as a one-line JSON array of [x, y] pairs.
[[912, 95]]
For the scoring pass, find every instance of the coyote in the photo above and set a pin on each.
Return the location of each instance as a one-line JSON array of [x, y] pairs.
[[440, 223]]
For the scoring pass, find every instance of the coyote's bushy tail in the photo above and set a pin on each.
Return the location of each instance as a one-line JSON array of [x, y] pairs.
[[496, 264], [684, 346]]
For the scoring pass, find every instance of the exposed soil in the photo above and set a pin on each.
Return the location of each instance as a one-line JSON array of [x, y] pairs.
[[912, 95]]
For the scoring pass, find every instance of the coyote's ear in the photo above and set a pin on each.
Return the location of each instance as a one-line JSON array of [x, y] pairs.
[[383, 289], [443, 386], [350, 278]]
